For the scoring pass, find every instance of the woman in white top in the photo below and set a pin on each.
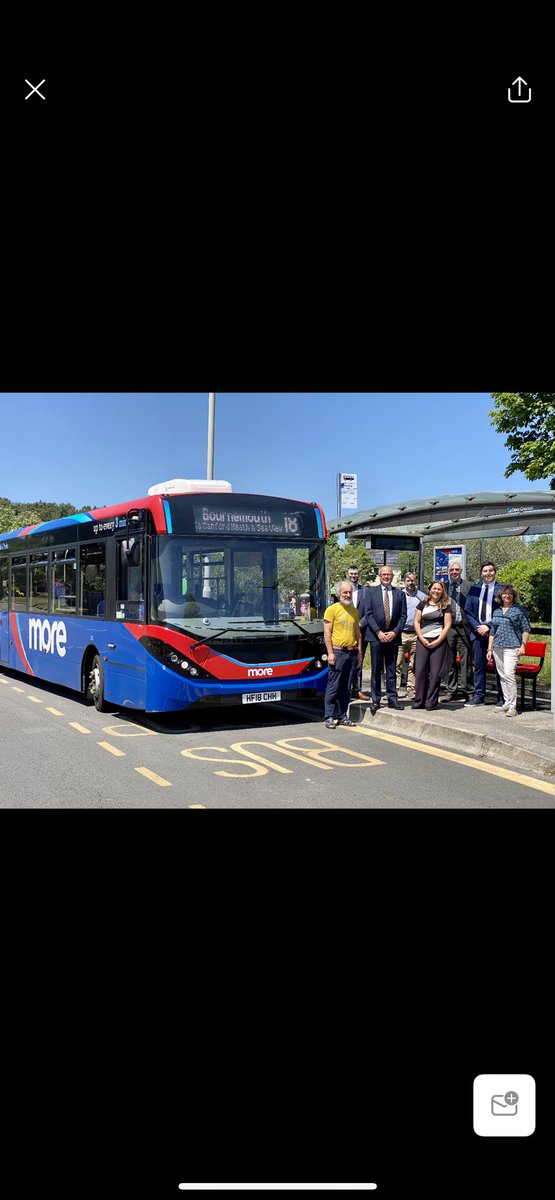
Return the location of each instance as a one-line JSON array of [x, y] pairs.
[[432, 622]]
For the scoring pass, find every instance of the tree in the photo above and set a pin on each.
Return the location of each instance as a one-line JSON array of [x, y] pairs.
[[529, 420], [15, 515], [340, 558], [532, 581]]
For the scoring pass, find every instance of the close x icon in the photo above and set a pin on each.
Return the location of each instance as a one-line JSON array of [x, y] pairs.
[[35, 89]]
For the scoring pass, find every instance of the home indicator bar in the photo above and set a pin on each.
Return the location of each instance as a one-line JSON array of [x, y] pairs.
[[278, 1187]]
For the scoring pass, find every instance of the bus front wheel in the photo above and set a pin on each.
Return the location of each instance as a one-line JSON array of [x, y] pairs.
[[96, 685]]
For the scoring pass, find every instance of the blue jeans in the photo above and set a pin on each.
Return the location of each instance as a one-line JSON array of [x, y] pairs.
[[338, 690]]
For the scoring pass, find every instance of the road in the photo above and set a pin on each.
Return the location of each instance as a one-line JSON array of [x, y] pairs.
[[59, 753]]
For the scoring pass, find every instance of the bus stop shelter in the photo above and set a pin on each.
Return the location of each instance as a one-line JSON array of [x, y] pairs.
[[456, 517]]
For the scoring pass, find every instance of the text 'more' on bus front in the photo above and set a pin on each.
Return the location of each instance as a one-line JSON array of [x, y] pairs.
[[193, 595]]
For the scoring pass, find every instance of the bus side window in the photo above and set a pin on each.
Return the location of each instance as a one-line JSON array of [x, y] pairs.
[[19, 583], [131, 580], [92, 578], [4, 583], [63, 578]]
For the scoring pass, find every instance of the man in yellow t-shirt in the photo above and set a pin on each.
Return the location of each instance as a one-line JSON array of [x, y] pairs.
[[344, 646]]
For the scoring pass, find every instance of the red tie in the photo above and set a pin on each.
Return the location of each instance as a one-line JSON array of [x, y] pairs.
[[386, 608]]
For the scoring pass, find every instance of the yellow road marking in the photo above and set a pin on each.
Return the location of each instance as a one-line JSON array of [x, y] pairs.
[[112, 749], [155, 778], [34, 699], [119, 730], [16, 689], [257, 765], [476, 764], [196, 806], [55, 712], [78, 727]]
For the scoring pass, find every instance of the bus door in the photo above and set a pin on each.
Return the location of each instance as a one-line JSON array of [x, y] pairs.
[[4, 627]]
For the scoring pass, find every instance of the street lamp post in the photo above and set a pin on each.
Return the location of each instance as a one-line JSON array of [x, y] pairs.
[[211, 423]]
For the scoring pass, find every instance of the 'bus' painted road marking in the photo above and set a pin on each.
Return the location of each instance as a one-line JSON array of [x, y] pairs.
[[155, 778], [128, 729], [34, 699], [55, 712], [78, 727], [476, 764], [112, 749]]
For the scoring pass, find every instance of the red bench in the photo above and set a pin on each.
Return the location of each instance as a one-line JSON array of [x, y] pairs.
[[528, 670]]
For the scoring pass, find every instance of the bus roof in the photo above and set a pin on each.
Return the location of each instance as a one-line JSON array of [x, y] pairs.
[[154, 504]]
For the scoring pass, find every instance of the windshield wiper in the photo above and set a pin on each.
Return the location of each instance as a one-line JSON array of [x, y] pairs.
[[229, 629], [311, 636]]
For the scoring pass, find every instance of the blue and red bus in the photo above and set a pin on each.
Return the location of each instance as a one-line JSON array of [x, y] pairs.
[[190, 597]]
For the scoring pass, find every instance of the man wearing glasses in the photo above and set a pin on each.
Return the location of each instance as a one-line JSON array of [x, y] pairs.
[[383, 615]]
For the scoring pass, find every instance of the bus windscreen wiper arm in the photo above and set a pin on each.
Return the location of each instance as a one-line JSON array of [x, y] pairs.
[[229, 629], [311, 636]]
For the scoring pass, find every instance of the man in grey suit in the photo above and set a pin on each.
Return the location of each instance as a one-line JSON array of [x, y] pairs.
[[458, 638], [383, 613]]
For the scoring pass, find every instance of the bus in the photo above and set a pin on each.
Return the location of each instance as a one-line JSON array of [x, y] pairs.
[[193, 596]]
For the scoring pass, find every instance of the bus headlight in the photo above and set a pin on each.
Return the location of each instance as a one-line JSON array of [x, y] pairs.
[[168, 657]]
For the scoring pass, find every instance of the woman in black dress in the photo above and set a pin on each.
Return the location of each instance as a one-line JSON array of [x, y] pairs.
[[432, 622]]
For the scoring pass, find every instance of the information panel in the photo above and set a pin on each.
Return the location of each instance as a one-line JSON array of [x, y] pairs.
[[444, 557]]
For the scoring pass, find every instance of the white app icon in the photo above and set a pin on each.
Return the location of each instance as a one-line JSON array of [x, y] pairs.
[[504, 1105]]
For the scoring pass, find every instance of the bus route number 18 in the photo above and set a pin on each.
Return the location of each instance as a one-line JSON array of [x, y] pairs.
[[292, 524]]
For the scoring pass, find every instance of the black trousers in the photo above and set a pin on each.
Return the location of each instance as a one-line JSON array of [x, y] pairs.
[[428, 665], [458, 642], [338, 690], [384, 654]]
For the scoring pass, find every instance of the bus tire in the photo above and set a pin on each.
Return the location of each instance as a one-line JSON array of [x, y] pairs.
[[96, 685]]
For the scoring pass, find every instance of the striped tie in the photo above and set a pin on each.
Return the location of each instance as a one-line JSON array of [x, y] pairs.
[[386, 608]]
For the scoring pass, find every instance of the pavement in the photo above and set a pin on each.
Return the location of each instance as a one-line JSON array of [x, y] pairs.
[[525, 742]]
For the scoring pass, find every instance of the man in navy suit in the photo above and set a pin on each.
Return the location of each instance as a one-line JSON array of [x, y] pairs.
[[358, 593], [383, 613], [481, 603]]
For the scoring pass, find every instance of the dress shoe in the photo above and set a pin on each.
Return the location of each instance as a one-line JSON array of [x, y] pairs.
[[417, 706], [362, 696], [374, 707], [394, 704]]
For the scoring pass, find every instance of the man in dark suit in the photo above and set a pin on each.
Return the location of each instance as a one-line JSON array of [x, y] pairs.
[[383, 613], [481, 603], [353, 574], [458, 638]]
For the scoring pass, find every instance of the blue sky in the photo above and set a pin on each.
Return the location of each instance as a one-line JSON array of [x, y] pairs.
[[110, 447]]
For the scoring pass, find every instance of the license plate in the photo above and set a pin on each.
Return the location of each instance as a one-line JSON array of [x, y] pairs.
[[260, 697]]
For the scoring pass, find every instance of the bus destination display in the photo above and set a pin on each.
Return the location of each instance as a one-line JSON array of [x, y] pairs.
[[225, 518]]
